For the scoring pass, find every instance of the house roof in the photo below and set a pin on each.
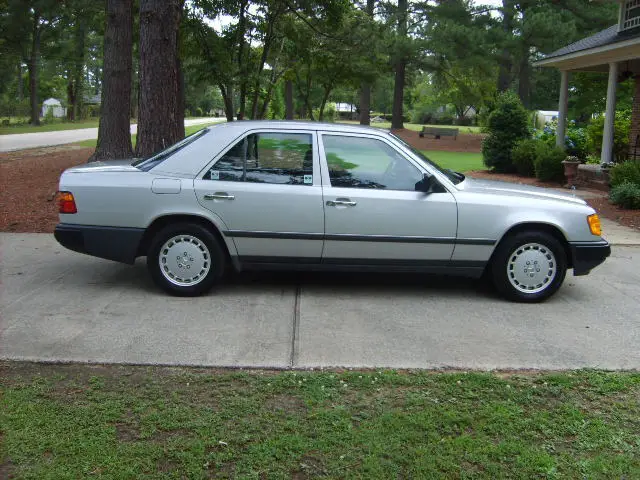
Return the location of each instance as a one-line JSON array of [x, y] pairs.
[[605, 37], [51, 101]]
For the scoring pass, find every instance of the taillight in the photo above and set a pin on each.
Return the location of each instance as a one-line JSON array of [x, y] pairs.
[[66, 203]]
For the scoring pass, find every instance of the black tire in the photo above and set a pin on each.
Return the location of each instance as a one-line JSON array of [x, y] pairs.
[[207, 242], [509, 265]]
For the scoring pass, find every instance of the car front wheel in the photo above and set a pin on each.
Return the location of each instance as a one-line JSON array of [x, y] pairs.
[[185, 259], [529, 266]]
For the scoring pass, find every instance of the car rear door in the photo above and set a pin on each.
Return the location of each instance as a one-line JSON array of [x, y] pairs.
[[266, 188], [373, 214]]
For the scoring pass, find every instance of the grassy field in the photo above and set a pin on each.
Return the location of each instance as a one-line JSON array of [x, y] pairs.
[[48, 127], [416, 127], [456, 161], [79, 421], [187, 131]]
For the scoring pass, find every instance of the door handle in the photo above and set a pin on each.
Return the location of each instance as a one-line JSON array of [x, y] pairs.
[[341, 202], [219, 196]]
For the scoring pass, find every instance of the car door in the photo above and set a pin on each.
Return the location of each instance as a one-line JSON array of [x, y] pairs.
[[373, 213], [266, 188]]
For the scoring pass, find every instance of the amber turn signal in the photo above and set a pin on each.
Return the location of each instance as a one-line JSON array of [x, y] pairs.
[[594, 224], [66, 203]]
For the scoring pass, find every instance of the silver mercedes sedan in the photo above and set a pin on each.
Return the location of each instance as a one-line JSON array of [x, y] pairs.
[[312, 196]]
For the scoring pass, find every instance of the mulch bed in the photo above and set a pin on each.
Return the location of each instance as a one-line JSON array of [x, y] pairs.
[[29, 180], [464, 143]]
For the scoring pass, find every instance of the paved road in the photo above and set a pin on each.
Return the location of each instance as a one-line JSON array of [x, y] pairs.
[[21, 141], [56, 305]]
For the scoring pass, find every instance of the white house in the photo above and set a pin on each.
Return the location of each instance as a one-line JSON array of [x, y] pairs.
[[53, 105]]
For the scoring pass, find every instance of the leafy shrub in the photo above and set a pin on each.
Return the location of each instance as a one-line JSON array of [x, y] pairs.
[[575, 139], [199, 112], [507, 124], [625, 172], [548, 163], [622, 124], [523, 156], [626, 195], [187, 113]]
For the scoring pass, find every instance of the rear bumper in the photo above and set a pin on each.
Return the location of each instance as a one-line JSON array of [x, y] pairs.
[[113, 243], [588, 255]]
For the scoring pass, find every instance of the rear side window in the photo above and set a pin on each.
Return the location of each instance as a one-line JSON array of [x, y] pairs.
[[280, 158], [146, 164]]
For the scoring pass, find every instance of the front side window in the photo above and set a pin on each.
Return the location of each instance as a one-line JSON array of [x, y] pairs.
[[355, 162], [282, 158]]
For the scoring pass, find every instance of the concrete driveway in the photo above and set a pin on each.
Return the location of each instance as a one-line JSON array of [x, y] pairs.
[[21, 141], [62, 306]]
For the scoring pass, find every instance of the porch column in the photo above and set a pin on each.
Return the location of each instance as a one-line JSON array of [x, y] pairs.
[[562, 108], [606, 156]]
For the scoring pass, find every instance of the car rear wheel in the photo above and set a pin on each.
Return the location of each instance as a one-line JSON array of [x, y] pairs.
[[185, 259], [529, 266]]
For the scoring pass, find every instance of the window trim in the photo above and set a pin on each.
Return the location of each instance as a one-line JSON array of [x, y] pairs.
[[407, 155], [314, 149]]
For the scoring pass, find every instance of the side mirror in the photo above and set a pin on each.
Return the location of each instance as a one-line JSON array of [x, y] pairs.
[[428, 184]]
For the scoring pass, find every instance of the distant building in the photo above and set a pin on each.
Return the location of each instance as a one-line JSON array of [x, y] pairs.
[[347, 111], [54, 106]]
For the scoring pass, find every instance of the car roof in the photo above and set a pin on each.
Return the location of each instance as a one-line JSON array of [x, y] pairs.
[[297, 125], [190, 160]]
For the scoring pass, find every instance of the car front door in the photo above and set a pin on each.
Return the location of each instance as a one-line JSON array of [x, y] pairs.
[[373, 213], [267, 190]]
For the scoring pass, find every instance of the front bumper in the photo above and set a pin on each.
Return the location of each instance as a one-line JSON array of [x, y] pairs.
[[588, 255], [113, 243]]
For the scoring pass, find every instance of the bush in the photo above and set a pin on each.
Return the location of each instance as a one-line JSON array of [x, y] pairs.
[[187, 113], [523, 156], [625, 172], [199, 112], [622, 124], [507, 124], [626, 195], [575, 139], [548, 163]]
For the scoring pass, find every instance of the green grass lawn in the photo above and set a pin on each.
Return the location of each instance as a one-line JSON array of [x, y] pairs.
[[456, 161], [187, 131], [79, 421], [417, 127], [49, 127]]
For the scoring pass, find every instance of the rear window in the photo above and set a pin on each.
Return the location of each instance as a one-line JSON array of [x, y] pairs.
[[146, 164]]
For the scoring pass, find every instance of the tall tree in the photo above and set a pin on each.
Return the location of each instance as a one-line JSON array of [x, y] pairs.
[[400, 66], [114, 136], [365, 87], [288, 99], [161, 118]]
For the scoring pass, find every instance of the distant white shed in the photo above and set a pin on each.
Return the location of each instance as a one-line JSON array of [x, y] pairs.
[[53, 105]]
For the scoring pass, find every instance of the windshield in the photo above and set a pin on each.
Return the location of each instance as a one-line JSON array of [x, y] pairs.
[[455, 177], [146, 164]]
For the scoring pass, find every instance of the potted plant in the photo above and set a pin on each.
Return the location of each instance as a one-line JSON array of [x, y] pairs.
[[571, 170]]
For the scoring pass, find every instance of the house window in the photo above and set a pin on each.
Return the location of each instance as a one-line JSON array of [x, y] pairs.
[[631, 14]]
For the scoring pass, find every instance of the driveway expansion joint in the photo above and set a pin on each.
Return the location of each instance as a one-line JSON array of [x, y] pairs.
[[295, 327]]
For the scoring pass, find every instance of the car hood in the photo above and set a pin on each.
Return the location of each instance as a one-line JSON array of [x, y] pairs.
[[495, 187], [106, 166]]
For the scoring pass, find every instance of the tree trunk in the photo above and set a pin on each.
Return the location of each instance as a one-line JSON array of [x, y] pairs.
[[506, 61], [242, 29], [160, 122], [80, 35], [288, 100], [19, 78], [71, 98], [227, 97], [243, 100], [33, 69], [325, 97], [365, 87], [524, 78], [114, 136], [400, 68]]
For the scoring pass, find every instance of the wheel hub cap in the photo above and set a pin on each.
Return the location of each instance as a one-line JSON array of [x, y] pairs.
[[184, 260], [531, 268]]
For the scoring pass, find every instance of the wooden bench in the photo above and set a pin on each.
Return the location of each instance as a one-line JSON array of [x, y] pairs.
[[439, 132]]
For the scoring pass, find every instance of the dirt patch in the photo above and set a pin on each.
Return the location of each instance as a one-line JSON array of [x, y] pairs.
[[601, 204], [28, 181], [287, 404], [465, 142]]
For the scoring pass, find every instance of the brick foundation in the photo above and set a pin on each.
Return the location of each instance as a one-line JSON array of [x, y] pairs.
[[634, 132]]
